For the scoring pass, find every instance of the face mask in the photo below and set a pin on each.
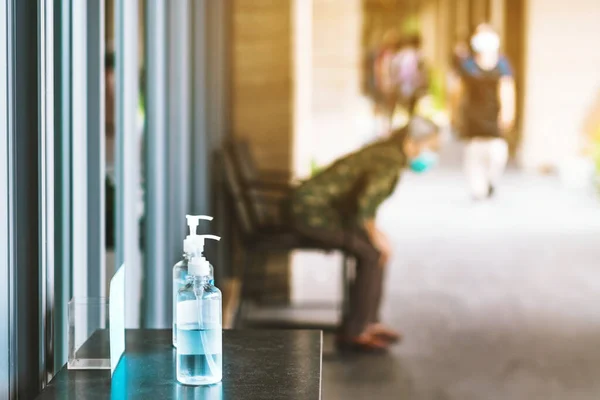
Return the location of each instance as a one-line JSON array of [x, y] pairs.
[[485, 42], [424, 161]]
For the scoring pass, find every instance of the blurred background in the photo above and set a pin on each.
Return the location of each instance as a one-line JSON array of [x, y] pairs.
[[144, 111]]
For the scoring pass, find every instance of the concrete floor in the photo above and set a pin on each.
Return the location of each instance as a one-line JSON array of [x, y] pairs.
[[499, 300]]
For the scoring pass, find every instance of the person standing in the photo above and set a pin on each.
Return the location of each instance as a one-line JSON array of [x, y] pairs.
[[384, 83], [488, 88], [409, 74]]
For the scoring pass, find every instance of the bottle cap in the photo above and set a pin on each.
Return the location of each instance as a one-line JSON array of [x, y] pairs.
[[198, 264]]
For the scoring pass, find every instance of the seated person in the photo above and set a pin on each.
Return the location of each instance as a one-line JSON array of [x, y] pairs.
[[338, 206]]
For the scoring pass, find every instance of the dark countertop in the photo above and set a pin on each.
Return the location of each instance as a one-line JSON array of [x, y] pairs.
[[257, 365]]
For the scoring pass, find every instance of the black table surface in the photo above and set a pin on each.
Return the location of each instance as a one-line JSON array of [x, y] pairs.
[[257, 364]]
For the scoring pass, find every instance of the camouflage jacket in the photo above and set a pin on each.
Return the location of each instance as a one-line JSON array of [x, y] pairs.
[[350, 190]]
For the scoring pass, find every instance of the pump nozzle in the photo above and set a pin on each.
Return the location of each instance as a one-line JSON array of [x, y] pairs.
[[192, 221], [202, 238]]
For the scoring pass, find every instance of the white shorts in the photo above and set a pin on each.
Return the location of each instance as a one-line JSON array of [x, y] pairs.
[[485, 161]]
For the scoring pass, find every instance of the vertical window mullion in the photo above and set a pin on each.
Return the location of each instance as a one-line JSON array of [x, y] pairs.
[[157, 283], [63, 216], [79, 143], [79, 160], [5, 262], [95, 149], [127, 165], [46, 183], [24, 198]]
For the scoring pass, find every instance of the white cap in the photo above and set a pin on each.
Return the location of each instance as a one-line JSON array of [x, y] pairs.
[[191, 238], [198, 264]]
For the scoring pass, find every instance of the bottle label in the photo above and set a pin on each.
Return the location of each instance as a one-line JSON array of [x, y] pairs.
[[203, 313]]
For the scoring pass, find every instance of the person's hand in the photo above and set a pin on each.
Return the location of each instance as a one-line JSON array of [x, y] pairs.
[[506, 118], [505, 122], [382, 244], [380, 241]]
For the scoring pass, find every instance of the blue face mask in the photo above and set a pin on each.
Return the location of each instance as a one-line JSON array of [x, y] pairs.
[[424, 161]]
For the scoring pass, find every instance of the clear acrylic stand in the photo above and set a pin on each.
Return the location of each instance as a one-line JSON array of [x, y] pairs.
[[89, 346]]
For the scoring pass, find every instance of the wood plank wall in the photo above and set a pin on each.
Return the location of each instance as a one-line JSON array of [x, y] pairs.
[[261, 101]]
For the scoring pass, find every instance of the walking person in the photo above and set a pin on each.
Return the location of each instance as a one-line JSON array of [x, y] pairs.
[[488, 91], [409, 74], [384, 89], [338, 207]]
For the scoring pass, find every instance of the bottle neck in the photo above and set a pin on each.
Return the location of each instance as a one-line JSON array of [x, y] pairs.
[[204, 279]]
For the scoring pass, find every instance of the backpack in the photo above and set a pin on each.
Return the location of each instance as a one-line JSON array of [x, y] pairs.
[[409, 74]]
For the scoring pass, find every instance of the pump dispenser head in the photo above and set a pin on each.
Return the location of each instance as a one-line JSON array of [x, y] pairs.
[[192, 237], [198, 264]]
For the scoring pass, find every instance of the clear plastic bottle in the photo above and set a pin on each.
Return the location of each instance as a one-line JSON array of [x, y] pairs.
[[191, 246], [199, 326], [180, 274], [180, 271]]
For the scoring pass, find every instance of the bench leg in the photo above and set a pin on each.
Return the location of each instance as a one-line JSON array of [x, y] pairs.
[[346, 283]]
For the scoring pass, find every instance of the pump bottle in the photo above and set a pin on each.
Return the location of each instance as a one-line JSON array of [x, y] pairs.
[[199, 332], [180, 270]]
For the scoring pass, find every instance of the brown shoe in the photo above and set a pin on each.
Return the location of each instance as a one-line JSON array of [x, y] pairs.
[[365, 343], [385, 334]]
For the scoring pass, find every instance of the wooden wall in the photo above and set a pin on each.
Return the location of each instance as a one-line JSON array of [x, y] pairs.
[[261, 100], [261, 82]]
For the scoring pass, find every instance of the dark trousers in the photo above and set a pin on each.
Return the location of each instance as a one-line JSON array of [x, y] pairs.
[[409, 104], [366, 292]]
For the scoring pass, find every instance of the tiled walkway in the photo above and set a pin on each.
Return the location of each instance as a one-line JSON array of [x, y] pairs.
[[499, 300]]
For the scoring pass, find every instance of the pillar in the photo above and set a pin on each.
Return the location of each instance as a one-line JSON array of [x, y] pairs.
[[261, 69], [261, 105], [562, 78]]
